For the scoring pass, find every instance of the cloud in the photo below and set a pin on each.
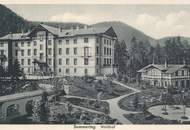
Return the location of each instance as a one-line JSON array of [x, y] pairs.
[[83, 18], [176, 23], [171, 24]]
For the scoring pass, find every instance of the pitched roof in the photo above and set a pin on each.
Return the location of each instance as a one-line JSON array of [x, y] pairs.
[[74, 32], [87, 31], [63, 33], [171, 68], [15, 36], [51, 29]]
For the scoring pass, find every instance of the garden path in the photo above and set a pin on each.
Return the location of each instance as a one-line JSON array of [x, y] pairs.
[[115, 111]]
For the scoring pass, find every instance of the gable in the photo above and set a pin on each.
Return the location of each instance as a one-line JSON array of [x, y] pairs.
[[111, 32], [52, 30], [153, 71]]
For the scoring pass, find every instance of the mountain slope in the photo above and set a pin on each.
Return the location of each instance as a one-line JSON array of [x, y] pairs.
[[183, 39], [126, 32], [11, 22]]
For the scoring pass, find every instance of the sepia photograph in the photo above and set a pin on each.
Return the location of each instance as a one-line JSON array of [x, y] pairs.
[[90, 64]]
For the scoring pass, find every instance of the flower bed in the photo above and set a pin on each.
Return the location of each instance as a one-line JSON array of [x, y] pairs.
[[150, 96], [91, 104], [147, 118]]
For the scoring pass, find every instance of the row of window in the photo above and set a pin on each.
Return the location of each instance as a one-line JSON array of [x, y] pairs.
[[182, 83], [107, 42], [107, 51], [22, 43], [86, 40], [182, 73], [60, 70], [28, 61], [107, 61], [67, 70], [67, 61], [67, 51], [86, 51], [28, 52]]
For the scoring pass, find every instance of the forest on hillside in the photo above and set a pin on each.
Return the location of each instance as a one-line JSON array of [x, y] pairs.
[[140, 54]]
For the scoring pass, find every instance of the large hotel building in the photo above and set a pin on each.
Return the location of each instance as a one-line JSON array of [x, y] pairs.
[[48, 50]]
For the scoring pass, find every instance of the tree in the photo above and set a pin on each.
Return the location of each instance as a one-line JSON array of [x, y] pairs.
[[158, 56], [41, 109], [136, 101], [36, 111], [184, 101], [121, 56], [99, 89], [14, 70], [2, 71], [44, 108], [3, 59], [144, 107]]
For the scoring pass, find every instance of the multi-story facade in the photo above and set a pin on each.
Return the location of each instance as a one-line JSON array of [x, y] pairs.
[[49, 50], [166, 75]]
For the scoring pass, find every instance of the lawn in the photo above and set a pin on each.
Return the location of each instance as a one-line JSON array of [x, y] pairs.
[[151, 96], [81, 87]]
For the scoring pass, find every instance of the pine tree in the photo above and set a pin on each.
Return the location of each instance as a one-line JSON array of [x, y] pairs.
[[136, 101], [14, 70], [36, 111]]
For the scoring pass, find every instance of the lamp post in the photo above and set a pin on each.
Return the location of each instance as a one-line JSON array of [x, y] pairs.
[[165, 102], [184, 95]]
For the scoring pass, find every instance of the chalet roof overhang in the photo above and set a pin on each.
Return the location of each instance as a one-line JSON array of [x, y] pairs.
[[170, 68], [40, 27]]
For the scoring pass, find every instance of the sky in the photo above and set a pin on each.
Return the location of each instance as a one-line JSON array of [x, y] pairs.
[[156, 21]]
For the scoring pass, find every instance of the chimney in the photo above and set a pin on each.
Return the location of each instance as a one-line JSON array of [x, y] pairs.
[[85, 26], [72, 28], [60, 29], [184, 62], [10, 35], [153, 60], [165, 65], [77, 28]]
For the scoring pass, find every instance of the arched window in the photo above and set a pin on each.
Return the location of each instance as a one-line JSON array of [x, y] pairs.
[[29, 107], [13, 110]]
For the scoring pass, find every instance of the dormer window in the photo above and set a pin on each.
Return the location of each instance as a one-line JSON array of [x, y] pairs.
[[67, 41], [1, 44], [60, 41], [182, 73], [41, 38], [176, 73], [22, 44], [85, 40], [67, 33]]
